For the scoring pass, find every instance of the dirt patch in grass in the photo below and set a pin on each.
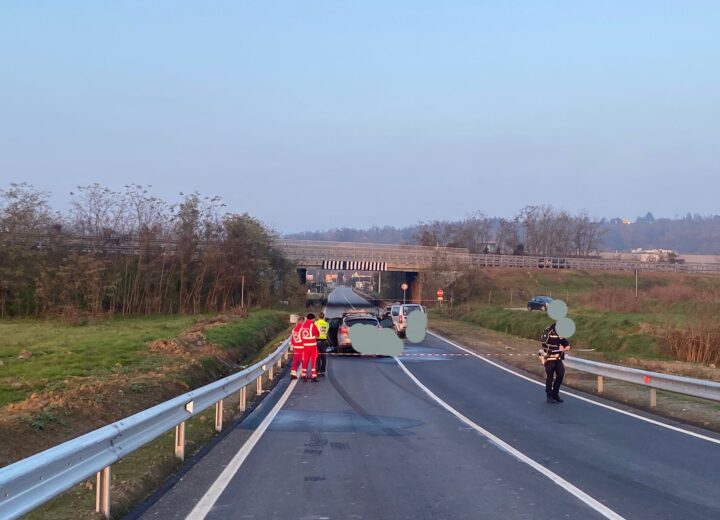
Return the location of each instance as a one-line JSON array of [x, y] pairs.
[[522, 353]]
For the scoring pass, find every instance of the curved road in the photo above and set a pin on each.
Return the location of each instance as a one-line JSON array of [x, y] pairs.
[[442, 434]]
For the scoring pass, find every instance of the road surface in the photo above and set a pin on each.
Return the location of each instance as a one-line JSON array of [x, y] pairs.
[[442, 434]]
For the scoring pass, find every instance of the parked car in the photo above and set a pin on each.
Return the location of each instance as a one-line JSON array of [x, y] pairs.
[[539, 303], [400, 312], [339, 330]]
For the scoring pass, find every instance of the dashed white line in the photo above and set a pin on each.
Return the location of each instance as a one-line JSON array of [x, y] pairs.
[[596, 403], [555, 478]]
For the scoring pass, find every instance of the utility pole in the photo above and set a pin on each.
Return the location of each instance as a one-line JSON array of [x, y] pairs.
[[242, 293]]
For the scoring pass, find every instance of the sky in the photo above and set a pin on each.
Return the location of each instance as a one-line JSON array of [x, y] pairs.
[[321, 114]]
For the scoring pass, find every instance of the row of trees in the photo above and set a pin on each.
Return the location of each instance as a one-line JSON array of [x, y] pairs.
[[535, 230], [544, 230], [130, 252]]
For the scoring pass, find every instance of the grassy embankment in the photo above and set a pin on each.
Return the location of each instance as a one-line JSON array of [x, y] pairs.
[[603, 305], [79, 378]]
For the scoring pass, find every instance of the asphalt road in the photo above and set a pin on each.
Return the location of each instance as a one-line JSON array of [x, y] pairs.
[[368, 442], [344, 298]]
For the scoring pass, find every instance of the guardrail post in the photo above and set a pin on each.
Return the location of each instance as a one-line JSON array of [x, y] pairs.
[[102, 494], [279, 363], [653, 398], [287, 354], [271, 372], [180, 441], [243, 399], [600, 384], [258, 385], [219, 416]]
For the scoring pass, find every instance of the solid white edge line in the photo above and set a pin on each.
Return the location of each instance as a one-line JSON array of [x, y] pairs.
[[565, 392], [557, 479], [203, 507]]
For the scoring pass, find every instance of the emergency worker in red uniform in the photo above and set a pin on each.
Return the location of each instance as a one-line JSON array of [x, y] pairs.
[[309, 334], [297, 345]]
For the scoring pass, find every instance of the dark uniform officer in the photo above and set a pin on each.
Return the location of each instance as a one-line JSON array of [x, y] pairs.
[[552, 354], [323, 327]]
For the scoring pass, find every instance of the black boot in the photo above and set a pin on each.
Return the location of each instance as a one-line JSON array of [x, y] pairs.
[[550, 400], [557, 399]]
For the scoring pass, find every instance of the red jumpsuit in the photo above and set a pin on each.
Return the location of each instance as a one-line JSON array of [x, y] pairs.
[[309, 334], [297, 345]]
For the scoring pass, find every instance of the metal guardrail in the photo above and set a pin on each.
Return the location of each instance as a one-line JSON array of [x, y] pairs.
[[653, 380], [30, 482]]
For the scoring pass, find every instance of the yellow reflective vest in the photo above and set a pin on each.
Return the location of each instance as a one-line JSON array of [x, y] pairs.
[[323, 326]]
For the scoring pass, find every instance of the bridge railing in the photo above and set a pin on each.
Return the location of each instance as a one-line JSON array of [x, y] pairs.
[[596, 264], [31, 482], [410, 257]]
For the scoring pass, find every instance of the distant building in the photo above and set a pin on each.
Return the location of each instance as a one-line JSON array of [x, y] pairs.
[[644, 255]]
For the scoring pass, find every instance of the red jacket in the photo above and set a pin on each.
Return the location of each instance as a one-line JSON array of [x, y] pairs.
[[295, 339], [309, 334]]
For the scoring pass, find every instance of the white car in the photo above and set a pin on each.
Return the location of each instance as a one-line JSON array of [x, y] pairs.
[[340, 329], [400, 313]]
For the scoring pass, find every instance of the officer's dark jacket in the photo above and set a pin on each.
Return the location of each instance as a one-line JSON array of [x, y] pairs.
[[551, 343]]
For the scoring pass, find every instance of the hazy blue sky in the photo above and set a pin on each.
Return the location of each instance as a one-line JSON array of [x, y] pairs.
[[315, 114]]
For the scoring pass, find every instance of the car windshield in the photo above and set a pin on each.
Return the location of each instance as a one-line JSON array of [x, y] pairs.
[[364, 321], [544, 299], [409, 308]]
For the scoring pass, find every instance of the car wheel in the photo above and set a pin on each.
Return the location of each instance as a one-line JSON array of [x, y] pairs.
[[530, 308], [543, 308]]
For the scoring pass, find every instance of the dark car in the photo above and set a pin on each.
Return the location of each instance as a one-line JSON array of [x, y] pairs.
[[539, 303]]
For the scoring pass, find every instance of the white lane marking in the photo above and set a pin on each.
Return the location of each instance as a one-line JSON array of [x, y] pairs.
[[203, 507], [349, 302], [557, 479], [596, 403]]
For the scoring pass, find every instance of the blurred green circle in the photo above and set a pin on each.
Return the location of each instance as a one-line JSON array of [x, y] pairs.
[[557, 309], [565, 327]]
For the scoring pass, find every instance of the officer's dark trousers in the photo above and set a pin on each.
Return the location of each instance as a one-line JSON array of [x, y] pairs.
[[556, 369], [322, 357]]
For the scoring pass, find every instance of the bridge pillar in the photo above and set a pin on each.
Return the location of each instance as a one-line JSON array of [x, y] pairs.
[[302, 275], [414, 287]]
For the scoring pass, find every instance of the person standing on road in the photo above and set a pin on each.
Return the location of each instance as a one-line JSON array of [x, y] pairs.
[[309, 334], [297, 345], [323, 327], [552, 354]]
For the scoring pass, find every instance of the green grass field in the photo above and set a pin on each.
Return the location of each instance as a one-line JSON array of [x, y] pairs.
[[616, 334], [62, 353], [248, 335], [603, 305]]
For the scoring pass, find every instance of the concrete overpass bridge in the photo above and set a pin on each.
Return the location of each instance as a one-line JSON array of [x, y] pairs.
[[351, 256]]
